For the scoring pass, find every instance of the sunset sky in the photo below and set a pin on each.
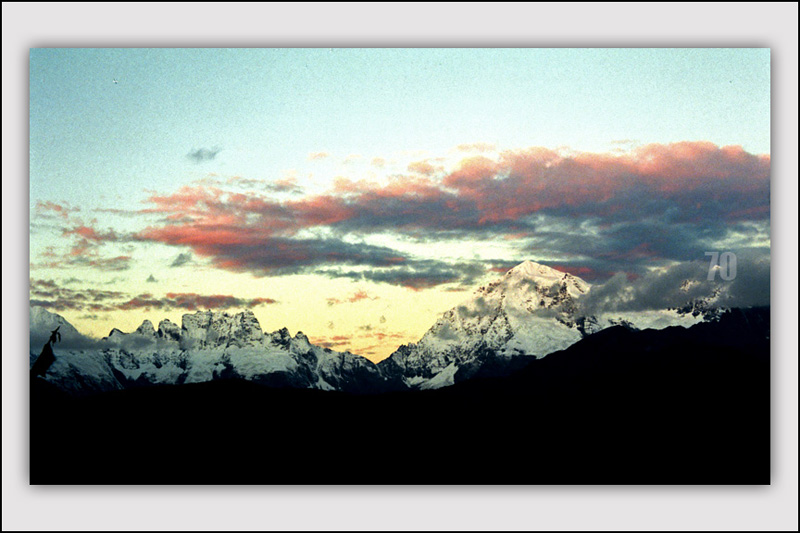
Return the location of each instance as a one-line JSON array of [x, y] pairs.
[[356, 194]]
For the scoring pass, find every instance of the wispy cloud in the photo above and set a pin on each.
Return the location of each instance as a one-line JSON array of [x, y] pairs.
[[355, 297], [63, 210], [48, 294], [479, 147], [191, 302]]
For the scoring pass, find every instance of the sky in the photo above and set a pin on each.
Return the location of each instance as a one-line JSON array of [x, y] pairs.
[[356, 194]]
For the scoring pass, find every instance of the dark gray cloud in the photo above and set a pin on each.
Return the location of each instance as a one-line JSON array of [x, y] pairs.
[[289, 186], [203, 154], [683, 283], [417, 274], [278, 256], [181, 259], [55, 298], [191, 302]]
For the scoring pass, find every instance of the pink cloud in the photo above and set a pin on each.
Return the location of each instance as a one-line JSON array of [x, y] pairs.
[[422, 167], [696, 181], [59, 209], [355, 297]]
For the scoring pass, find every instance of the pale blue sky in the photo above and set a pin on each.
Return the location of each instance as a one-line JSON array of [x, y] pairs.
[[267, 109]]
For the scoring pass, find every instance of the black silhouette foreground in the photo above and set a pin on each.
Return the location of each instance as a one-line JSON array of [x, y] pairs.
[[674, 406], [47, 357]]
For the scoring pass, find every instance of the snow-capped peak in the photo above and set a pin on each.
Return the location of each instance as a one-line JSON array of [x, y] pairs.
[[43, 322], [209, 328], [530, 272], [528, 311], [531, 269]]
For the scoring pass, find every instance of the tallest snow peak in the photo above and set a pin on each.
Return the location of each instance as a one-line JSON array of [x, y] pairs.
[[531, 269]]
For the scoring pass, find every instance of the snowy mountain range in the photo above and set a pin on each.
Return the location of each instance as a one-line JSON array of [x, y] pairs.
[[532, 311], [208, 345]]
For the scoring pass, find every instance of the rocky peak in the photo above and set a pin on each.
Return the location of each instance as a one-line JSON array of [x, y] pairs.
[[146, 329], [282, 337], [115, 333], [210, 328], [169, 330]]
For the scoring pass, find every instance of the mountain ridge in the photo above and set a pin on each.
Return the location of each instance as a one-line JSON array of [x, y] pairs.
[[529, 312]]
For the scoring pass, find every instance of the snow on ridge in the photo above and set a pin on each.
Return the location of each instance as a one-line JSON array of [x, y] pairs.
[[207, 346], [532, 310]]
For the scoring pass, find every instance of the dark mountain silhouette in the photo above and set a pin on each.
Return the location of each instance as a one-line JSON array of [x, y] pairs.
[[673, 406], [43, 362]]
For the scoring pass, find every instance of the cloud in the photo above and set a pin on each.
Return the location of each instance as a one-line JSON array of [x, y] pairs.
[[370, 333], [476, 147], [108, 264], [355, 297], [317, 156], [596, 213], [91, 234], [52, 296], [191, 302], [62, 210], [224, 231], [481, 308], [423, 167], [694, 181], [419, 275], [81, 245], [48, 294], [288, 185], [334, 342], [681, 283], [181, 259], [200, 155], [105, 264]]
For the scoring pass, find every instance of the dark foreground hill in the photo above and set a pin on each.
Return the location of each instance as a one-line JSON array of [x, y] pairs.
[[674, 406]]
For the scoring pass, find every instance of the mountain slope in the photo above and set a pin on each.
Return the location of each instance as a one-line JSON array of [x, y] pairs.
[[533, 310]]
